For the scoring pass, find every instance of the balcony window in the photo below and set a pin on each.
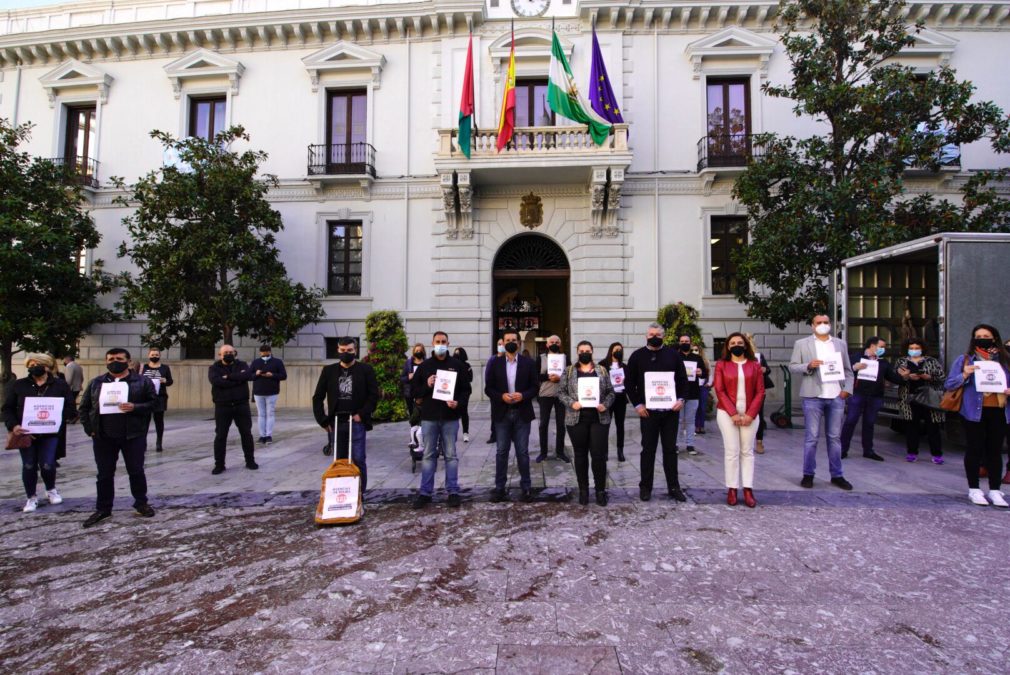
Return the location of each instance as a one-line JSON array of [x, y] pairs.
[[728, 235], [728, 124], [79, 144], [345, 254], [207, 117]]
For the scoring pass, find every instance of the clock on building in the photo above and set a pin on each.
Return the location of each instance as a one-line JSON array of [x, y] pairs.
[[530, 8]]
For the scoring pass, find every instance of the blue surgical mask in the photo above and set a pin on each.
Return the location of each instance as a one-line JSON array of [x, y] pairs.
[[265, 358], [441, 350], [915, 353], [880, 351], [501, 349]]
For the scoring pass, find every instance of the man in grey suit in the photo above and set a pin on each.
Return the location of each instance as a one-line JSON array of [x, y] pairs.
[[822, 364]]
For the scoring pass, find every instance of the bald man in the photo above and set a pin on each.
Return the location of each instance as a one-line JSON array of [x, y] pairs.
[[229, 386]]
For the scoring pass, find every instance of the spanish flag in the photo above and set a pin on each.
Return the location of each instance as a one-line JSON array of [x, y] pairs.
[[507, 121]]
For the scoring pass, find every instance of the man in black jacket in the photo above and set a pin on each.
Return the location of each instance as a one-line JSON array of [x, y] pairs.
[[439, 417], [117, 425], [511, 383], [657, 424], [350, 391], [268, 373], [867, 396], [229, 387]]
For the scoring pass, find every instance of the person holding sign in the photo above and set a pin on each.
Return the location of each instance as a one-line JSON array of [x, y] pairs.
[[983, 373], [161, 377], [872, 372], [916, 371], [440, 387], [38, 406], [116, 413], [587, 395], [655, 380], [552, 366], [826, 379], [739, 387], [511, 383], [697, 372], [614, 363]]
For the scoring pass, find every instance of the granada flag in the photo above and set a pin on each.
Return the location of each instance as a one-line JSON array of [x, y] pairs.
[[466, 105], [507, 120]]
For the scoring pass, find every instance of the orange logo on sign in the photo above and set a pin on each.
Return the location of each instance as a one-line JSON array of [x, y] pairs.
[[660, 390], [43, 414]]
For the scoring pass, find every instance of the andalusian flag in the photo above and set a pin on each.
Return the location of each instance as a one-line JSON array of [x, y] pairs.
[[565, 99], [466, 105], [507, 120]]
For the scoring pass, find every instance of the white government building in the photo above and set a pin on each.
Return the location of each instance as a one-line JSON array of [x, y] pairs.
[[357, 102]]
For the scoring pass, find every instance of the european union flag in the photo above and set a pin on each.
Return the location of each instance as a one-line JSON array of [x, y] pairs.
[[600, 92]]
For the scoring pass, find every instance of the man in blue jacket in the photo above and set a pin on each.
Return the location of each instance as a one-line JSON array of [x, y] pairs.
[[511, 383], [268, 372], [229, 386]]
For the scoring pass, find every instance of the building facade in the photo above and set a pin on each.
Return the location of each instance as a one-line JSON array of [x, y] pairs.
[[357, 103]]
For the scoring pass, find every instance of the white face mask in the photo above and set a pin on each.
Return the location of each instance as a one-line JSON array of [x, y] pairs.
[[822, 328]]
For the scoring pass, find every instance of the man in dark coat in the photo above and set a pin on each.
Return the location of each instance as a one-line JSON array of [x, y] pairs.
[[229, 385], [511, 383]]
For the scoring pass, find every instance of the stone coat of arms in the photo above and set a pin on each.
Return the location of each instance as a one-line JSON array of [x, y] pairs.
[[531, 211]]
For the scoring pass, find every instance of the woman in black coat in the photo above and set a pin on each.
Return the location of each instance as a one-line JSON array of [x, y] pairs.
[[464, 414]]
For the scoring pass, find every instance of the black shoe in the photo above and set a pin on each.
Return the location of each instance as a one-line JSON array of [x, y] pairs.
[[527, 496], [601, 498], [261, 440], [492, 440], [563, 457], [251, 464], [218, 468], [97, 517], [842, 483], [327, 450], [541, 457], [677, 494], [807, 482], [144, 510], [56, 464], [584, 496], [644, 494], [845, 455], [874, 456], [158, 448], [676, 448], [498, 496], [420, 501], [620, 454], [454, 500], [270, 439], [691, 450]]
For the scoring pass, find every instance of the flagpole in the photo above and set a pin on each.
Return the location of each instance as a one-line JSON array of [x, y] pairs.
[[475, 128]]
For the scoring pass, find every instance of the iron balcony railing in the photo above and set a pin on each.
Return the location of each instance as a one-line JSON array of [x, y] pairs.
[[726, 151], [341, 159], [81, 170]]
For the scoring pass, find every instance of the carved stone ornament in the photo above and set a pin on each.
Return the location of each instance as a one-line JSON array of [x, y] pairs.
[[531, 211]]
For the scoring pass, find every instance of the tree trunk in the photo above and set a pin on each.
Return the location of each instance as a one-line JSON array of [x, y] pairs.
[[228, 332]]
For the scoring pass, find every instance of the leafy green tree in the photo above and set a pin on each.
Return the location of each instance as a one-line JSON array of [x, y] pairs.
[[679, 319], [387, 348], [203, 242], [815, 201], [47, 303]]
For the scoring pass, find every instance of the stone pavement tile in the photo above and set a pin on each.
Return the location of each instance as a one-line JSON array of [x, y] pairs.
[[974, 627], [866, 659], [436, 652], [254, 654], [674, 659], [606, 622], [557, 660]]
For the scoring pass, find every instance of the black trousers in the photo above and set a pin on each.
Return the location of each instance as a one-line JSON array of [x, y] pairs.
[[159, 424], [464, 420], [618, 410], [921, 415], [660, 427], [985, 445], [224, 415], [547, 403], [107, 456], [762, 425], [589, 443]]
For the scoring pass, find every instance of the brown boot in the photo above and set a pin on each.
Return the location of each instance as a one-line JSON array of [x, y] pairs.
[[1006, 477], [759, 448]]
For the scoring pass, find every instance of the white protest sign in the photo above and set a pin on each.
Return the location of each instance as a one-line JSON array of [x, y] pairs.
[[871, 370], [340, 497], [660, 390], [112, 394], [42, 414], [832, 369], [589, 392], [445, 385], [555, 364], [989, 377]]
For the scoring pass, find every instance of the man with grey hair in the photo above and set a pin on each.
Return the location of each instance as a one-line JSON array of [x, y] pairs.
[[658, 421], [549, 401]]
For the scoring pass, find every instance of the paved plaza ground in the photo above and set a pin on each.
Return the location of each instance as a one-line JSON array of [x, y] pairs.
[[900, 575]]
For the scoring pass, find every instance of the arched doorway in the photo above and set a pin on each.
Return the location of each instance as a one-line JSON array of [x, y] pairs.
[[530, 291]]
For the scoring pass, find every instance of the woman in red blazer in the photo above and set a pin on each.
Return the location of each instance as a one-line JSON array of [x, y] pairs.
[[740, 389]]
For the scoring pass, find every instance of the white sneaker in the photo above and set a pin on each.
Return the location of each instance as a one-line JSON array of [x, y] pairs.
[[54, 496], [466, 438], [31, 504], [996, 497], [977, 497]]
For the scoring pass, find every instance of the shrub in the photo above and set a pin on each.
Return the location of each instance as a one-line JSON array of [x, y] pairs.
[[387, 347], [679, 319]]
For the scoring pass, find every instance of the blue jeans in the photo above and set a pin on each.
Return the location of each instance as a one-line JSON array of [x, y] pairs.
[[512, 430], [826, 412], [699, 418], [432, 431], [689, 413], [39, 457], [868, 407], [357, 446], [265, 407]]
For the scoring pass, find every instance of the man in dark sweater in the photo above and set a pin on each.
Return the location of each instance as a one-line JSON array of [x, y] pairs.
[[229, 386], [658, 422], [696, 371], [867, 396], [350, 392], [118, 424], [440, 407], [268, 372]]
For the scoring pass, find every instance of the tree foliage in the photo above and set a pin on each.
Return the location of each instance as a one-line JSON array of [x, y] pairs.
[[203, 242], [679, 319], [387, 346], [815, 201], [47, 303]]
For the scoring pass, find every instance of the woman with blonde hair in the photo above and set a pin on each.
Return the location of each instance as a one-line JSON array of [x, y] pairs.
[[40, 455]]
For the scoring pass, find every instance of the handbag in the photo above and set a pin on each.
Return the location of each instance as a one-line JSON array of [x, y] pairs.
[[928, 397], [19, 441], [952, 400]]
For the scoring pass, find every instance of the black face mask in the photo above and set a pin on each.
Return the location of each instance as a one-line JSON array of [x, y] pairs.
[[228, 358], [418, 355], [585, 358], [511, 347], [738, 350], [37, 371], [984, 343], [554, 349], [118, 367], [685, 348], [154, 359], [347, 357], [618, 355], [655, 341]]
